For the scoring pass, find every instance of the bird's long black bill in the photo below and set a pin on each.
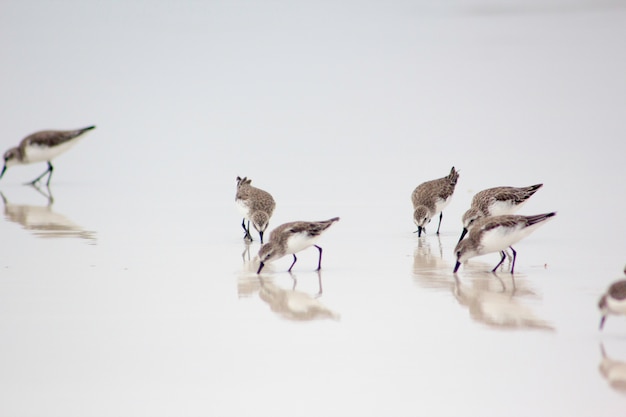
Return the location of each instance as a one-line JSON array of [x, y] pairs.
[[456, 267], [419, 231], [463, 233], [3, 169], [260, 267], [602, 322]]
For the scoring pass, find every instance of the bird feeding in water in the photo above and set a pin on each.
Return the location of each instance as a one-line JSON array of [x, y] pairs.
[[42, 146], [495, 234], [430, 198], [496, 201], [256, 205], [613, 301], [293, 237]]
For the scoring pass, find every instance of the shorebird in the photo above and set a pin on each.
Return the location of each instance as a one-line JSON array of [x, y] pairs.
[[495, 234], [613, 301], [430, 198], [496, 201], [256, 205], [42, 146], [291, 238]]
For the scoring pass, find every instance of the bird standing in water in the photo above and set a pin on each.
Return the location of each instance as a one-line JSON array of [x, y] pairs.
[[430, 198], [42, 146], [614, 300], [256, 205], [290, 238]]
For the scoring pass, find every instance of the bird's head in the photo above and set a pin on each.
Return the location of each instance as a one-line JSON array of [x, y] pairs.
[[268, 252], [260, 220], [463, 251], [10, 158], [469, 217], [421, 216]]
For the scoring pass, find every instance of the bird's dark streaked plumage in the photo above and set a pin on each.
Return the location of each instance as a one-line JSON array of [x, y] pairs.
[[496, 201], [430, 198], [256, 205]]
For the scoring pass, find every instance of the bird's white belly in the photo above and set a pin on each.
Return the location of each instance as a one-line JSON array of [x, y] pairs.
[[500, 208], [36, 153], [500, 238], [300, 241], [440, 204], [243, 208], [616, 306]]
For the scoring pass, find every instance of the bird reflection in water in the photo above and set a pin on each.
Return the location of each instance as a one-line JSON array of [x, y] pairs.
[[614, 371], [248, 283], [286, 301], [292, 304], [488, 298], [42, 221], [491, 303], [430, 270], [245, 255]]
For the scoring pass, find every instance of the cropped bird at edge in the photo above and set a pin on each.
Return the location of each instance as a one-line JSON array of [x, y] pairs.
[[255, 205], [430, 198], [613, 301], [495, 234], [42, 146], [293, 237], [496, 201]]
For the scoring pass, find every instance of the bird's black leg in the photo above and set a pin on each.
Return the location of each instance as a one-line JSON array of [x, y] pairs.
[[293, 263], [440, 217], [247, 235], [49, 170], [514, 256], [319, 263], [501, 260]]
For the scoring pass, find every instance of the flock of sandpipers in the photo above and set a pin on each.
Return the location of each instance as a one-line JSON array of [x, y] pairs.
[[489, 224]]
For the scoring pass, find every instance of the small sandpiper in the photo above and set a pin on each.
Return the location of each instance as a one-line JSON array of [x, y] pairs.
[[496, 201], [613, 301], [430, 198], [256, 205], [293, 237], [42, 146], [495, 234]]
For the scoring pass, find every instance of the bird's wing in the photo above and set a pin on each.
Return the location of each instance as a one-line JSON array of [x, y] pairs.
[[49, 137]]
